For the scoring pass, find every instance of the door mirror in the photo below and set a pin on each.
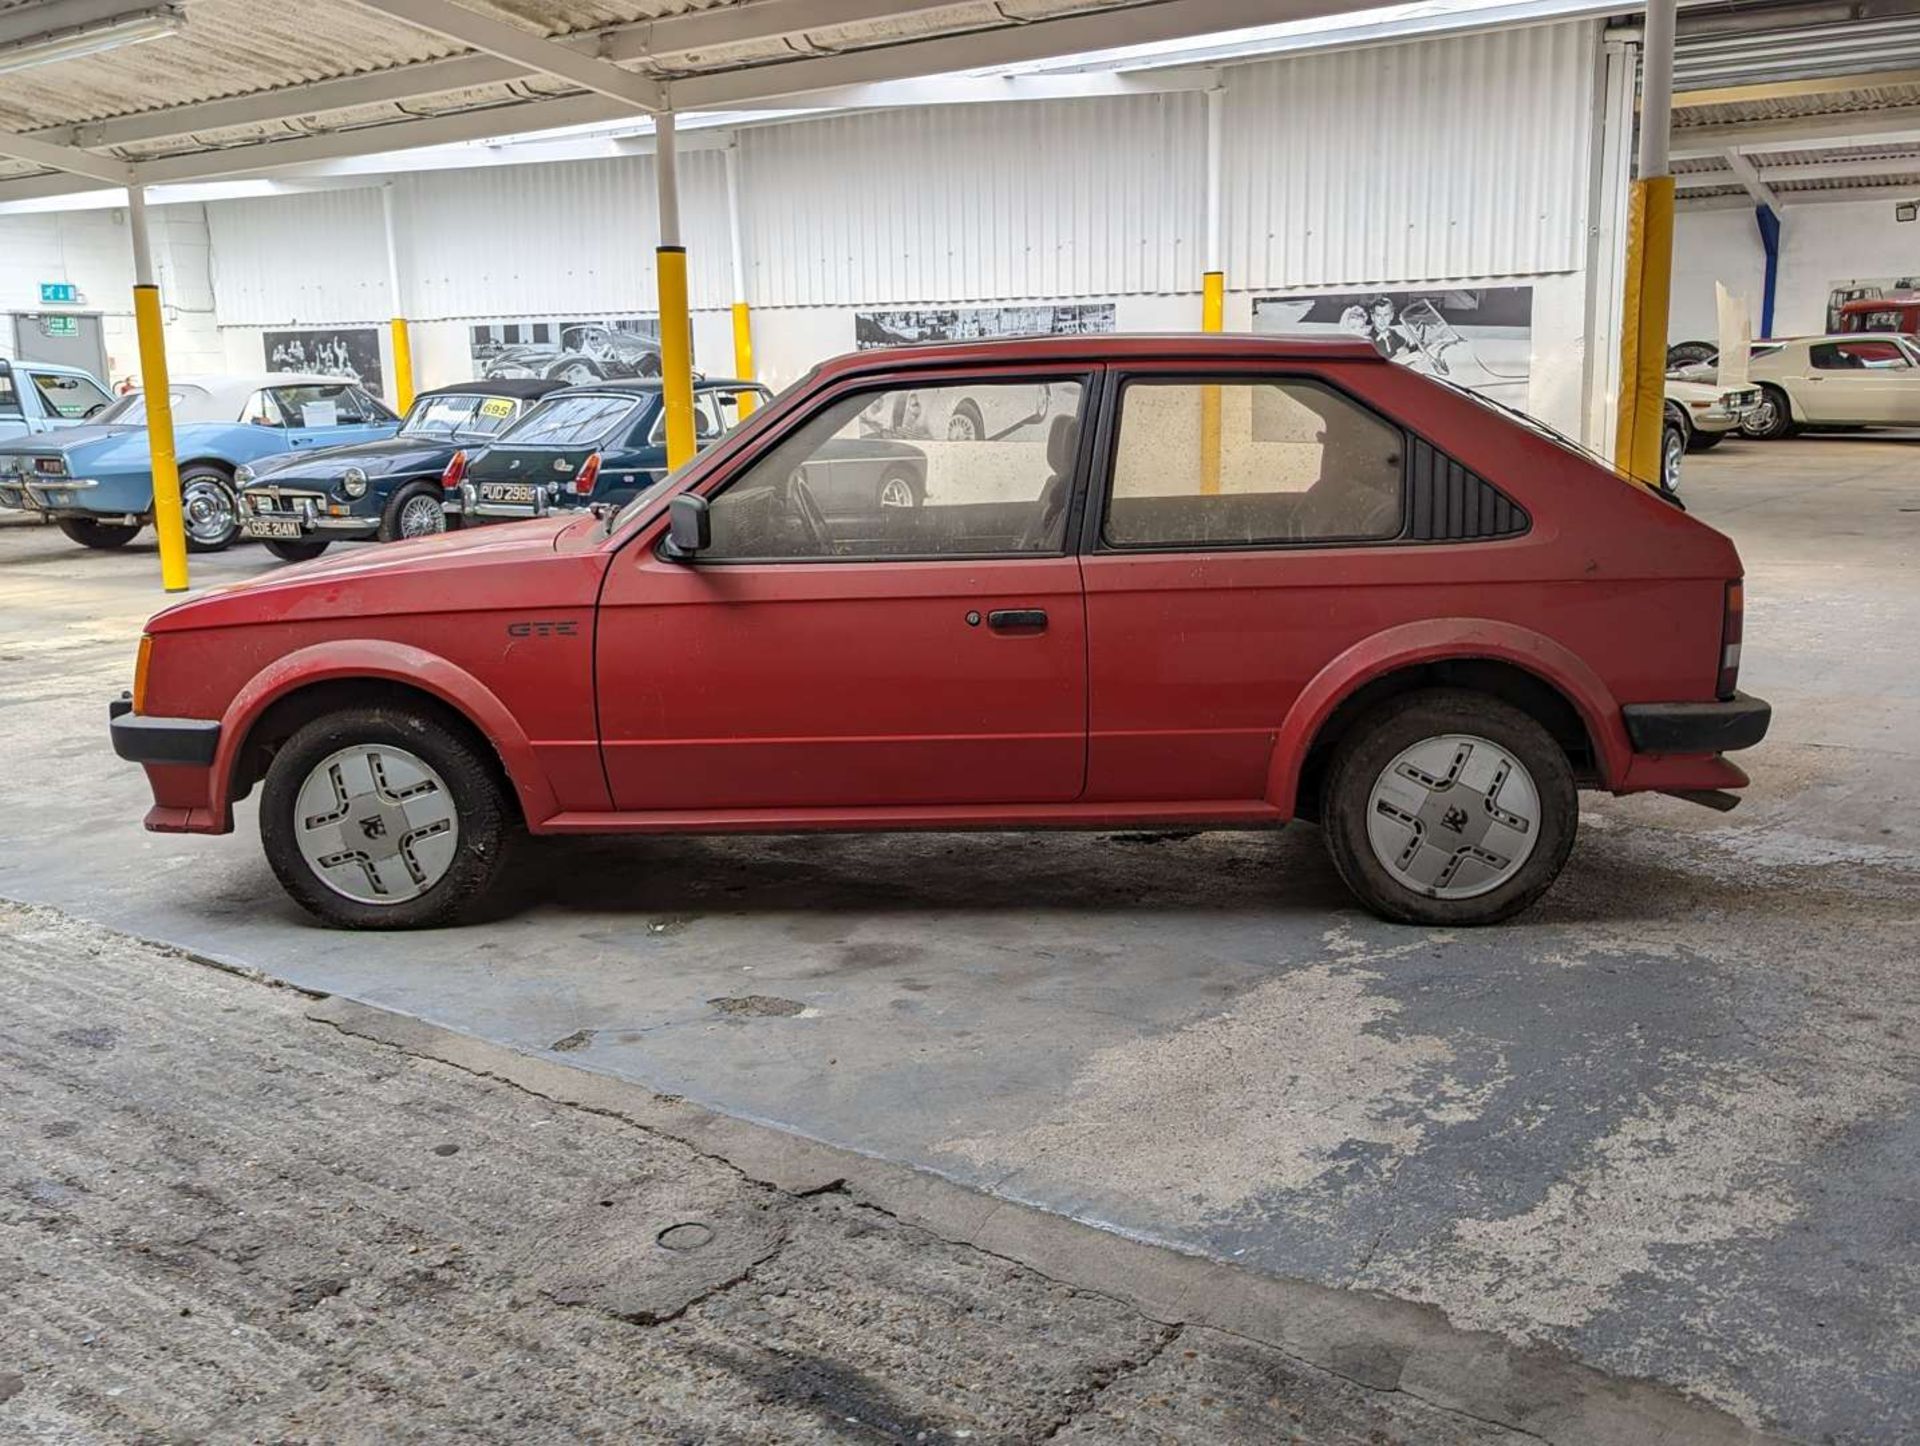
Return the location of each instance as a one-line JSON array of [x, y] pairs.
[[689, 526]]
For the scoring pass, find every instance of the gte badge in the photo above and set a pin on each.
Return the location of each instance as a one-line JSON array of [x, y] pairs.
[[543, 630]]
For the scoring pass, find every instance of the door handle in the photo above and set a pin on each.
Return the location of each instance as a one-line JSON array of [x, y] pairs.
[[1018, 620]]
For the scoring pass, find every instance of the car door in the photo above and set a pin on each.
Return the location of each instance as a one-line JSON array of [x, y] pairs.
[[1220, 571], [909, 658], [1868, 381], [315, 416]]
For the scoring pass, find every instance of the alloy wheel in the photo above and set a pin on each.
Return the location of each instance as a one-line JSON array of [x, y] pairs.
[[207, 509], [1453, 817], [1673, 453], [376, 824]]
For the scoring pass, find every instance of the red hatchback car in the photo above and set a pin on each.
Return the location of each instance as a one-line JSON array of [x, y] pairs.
[[1207, 581]]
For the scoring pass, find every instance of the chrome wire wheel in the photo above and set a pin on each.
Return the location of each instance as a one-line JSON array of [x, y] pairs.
[[1454, 816], [207, 508], [376, 824], [422, 516], [962, 427], [896, 492]]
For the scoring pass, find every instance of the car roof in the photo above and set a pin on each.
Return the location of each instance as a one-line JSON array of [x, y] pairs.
[[1125, 347], [523, 388], [7, 365]]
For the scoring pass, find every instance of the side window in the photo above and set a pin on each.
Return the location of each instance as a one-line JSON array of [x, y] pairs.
[[370, 407], [69, 397], [262, 411], [9, 398], [1841, 356], [708, 423], [889, 474], [1239, 463]]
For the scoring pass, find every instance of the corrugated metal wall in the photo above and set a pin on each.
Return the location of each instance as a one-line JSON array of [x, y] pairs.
[[1415, 162], [977, 202], [1423, 161]]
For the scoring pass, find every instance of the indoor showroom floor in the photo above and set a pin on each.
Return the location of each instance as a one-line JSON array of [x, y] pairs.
[[1663, 1126]]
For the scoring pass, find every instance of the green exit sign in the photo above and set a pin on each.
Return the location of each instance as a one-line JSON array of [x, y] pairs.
[[58, 293], [60, 325]]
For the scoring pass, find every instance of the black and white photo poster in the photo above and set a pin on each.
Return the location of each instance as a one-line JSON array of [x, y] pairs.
[[1479, 337], [909, 325], [351, 353], [576, 350]]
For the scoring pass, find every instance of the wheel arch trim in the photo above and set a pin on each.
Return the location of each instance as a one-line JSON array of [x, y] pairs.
[[378, 661], [1445, 640]]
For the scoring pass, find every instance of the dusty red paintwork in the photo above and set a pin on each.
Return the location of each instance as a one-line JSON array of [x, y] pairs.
[[1174, 687]]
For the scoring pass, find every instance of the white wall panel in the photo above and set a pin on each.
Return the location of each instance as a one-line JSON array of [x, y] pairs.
[[312, 258], [1422, 161], [976, 203]]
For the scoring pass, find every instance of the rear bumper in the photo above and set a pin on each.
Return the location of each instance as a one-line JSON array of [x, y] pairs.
[[184, 742], [1725, 726]]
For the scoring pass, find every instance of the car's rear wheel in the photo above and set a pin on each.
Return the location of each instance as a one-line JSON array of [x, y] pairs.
[[89, 532], [1449, 807], [208, 508], [413, 511], [966, 424], [1772, 418], [384, 818], [294, 551]]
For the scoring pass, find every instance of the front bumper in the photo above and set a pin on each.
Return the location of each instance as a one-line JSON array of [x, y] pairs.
[[180, 742], [313, 513], [1725, 726]]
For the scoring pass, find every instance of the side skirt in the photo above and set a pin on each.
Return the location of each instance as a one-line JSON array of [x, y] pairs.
[[931, 818]]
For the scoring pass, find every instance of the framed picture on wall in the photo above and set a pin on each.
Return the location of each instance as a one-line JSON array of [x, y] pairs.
[[578, 350], [351, 353]]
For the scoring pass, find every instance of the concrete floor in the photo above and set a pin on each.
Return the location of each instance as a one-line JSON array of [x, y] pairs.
[[1667, 1121]]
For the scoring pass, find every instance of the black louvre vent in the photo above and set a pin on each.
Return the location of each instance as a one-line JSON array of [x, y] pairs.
[[1451, 504]]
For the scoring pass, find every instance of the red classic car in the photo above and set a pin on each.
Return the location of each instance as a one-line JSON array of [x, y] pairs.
[[1233, 581]]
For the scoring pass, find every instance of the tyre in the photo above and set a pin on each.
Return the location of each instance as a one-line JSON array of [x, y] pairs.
[[966, 424], [1773, 418], [1673, 454], [294, 551], [89, 532], [208, 508], [898, 489], [1706, 441], [1449, 807], [1691, 353], [413, 511], [383, 817]]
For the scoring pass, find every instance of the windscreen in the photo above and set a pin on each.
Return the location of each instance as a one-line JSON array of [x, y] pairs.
[[131, 410], [460, 415], [571, 421]]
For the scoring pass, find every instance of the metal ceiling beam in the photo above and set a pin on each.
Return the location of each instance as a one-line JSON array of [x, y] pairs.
[[1794, 89], [1744, 172], [522, 47], [1802, 198], [1897, 125], [65, 158], [1142, 24]]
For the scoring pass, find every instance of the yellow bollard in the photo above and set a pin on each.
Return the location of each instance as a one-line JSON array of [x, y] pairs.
[[1213, 310], [743, 353], [402, 367], [1643, 331], [168, 522], [676, 353]]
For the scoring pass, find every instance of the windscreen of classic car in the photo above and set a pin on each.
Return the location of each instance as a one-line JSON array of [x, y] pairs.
[[73, 398], [571, 421], [321, 405], [461, 415]]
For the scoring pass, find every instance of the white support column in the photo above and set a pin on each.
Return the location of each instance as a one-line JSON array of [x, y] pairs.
[[742, 314], [1216, 108], [1656, 90], [402, 340], [666, 178]]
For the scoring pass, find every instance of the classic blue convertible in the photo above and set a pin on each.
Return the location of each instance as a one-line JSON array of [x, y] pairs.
[[96, 480]]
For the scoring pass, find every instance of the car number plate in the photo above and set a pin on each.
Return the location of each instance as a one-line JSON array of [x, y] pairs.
[[270, 527], [506, 492]]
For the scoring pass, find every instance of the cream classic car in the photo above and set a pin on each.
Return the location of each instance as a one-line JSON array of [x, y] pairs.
[[1852, 380]]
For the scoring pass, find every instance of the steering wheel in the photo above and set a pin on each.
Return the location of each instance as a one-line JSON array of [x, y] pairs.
[[803, 506]]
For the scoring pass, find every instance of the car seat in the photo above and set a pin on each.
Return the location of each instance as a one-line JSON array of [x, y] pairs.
[[1063, 437]]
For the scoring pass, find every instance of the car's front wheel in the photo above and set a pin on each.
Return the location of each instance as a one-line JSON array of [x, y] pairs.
[[294, 551], [1772, 418], [1673, 454], [414, 511], [1448, 807], [208, 508], [384, 818], [90, 532]]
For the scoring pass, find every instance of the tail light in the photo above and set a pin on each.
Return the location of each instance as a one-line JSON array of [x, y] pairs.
[[141, 662], [1731, 628], [583, 479], [456, 471]]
